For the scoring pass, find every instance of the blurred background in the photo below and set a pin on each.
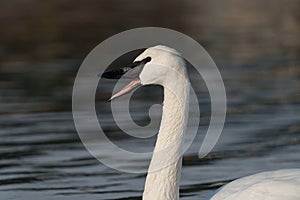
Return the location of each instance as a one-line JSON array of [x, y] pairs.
[[255, 44]]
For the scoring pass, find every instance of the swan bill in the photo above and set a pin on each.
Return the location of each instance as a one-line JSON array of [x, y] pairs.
[[131, 71], [133, 84]]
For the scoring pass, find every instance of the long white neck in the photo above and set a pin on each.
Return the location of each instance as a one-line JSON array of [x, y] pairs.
[[163, 183]]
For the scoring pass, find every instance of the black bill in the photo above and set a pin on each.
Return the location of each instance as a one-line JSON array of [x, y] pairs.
[[131, 71]]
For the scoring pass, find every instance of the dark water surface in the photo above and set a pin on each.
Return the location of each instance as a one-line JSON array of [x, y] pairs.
[[256, 50], [42, 157]]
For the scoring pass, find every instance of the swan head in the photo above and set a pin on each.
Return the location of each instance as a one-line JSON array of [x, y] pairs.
[[158, 65]]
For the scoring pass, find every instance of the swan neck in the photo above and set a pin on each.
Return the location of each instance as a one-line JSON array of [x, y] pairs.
[[163, 177]]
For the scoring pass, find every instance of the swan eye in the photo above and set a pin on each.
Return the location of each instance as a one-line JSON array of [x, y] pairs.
[[148, 59], [141, 62]]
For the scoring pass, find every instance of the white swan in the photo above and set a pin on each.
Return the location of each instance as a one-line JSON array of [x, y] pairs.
[[164, 66]]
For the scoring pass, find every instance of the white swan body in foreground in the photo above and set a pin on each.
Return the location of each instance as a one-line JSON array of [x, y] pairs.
[[275, 185], [164, 66]]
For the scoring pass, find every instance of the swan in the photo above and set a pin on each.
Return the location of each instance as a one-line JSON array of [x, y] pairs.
[[162, 65]]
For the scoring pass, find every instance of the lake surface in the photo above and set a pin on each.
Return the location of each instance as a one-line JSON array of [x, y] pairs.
[[42, 156]]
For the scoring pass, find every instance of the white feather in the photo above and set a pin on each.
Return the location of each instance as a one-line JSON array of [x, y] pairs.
[[275, 185]]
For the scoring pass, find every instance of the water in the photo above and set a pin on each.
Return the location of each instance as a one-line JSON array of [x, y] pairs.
[[42, 157]]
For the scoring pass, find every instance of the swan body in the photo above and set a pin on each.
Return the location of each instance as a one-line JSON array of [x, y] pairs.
[[164, 66], [275, 185]]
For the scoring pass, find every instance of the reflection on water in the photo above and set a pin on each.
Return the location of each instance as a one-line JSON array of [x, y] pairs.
[[41, 155]]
